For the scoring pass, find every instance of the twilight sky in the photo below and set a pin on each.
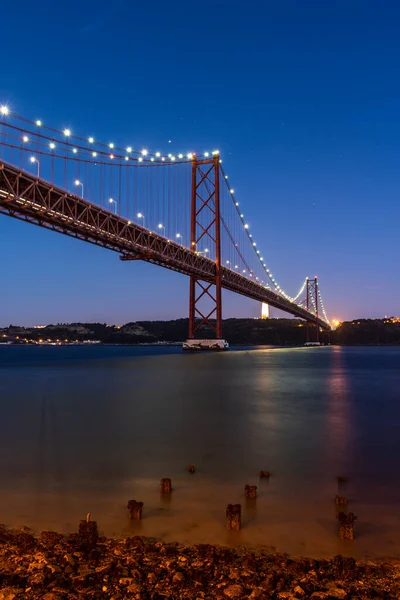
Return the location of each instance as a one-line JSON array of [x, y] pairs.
[[301, 97]]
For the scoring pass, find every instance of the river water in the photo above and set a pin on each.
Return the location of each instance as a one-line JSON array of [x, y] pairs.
[[86, 429]]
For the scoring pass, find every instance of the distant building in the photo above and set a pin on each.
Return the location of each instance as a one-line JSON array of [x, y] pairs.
[[264, 311]]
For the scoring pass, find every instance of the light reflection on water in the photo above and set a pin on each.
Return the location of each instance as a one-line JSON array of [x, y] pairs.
[[86, 429]]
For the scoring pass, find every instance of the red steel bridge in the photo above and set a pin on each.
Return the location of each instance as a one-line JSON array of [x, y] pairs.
[[174, 210]]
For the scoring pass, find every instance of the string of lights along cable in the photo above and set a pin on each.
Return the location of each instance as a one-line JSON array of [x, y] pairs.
[[143, 186]]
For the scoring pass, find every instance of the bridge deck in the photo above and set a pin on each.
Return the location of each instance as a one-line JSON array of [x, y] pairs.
[[34, 200]]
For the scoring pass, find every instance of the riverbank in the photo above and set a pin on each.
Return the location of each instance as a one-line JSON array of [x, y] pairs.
[[83, 565]]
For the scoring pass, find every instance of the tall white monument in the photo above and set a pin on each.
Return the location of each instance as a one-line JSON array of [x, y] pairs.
[[264, 311]]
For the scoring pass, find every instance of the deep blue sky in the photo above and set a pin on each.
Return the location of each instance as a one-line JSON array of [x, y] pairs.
[[302, 98]]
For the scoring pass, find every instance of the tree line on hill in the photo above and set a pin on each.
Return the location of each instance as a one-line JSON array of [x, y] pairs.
[[279, 332]]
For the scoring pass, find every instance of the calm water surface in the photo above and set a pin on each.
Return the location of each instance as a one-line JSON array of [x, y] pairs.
[[86, 429]]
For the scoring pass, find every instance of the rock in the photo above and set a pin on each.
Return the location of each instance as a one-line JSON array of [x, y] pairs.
[[50, 538], [178, 577], [299, 592], [191, 469], [51, 596], [233, 591], [9, 593], [337, 593]]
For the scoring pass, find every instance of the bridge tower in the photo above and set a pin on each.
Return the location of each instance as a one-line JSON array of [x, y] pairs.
[[205, 295], [312, 306]]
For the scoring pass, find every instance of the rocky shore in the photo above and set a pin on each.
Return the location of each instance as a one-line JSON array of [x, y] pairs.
[[83, 565]]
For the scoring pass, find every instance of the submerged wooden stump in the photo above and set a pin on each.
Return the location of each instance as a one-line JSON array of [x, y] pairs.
[[265, 474], [88, 534], [341, 501], [342, 479], [191, 468], [135, 509], [346, 525], [166, 486], [234, 516], [250, 491]]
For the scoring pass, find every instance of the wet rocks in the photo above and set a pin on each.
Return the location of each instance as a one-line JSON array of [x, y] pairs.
[[146, 569], [250, 491], [166, 486], [233, 591], [233, 516], [346, 525], [135, 509]]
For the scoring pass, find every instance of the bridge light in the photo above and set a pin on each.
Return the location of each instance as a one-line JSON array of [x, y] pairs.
[[39, 123], [111, 145], [232, 191], [52, 145], [140, 159], [172, 157], [246, 226], [91, 140], [258, 252], [236, 203], [163, 159], [244, 270], [254, 244], [206, 154], [241, 216], [126, 157], [206, 250], [4, 110], [226, 176], [180, 155], [215, 152], [25, 138], [67, 132], [74, 150], [250, 235], [145, 152], [236, 267], [129, 149], [158, 154], [152, 159], [190, 156], [227, 262], [94, 154]]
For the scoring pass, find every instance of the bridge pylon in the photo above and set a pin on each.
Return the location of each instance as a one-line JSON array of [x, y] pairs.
[[312, 306], [205, 295]]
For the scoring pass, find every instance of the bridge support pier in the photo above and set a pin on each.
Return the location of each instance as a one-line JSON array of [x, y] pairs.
[[205, 296], [312, 302]]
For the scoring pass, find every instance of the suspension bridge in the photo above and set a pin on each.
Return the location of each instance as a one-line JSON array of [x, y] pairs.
[[177, 211]]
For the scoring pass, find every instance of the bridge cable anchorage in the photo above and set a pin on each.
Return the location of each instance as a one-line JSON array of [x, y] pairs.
[[135, 202]]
